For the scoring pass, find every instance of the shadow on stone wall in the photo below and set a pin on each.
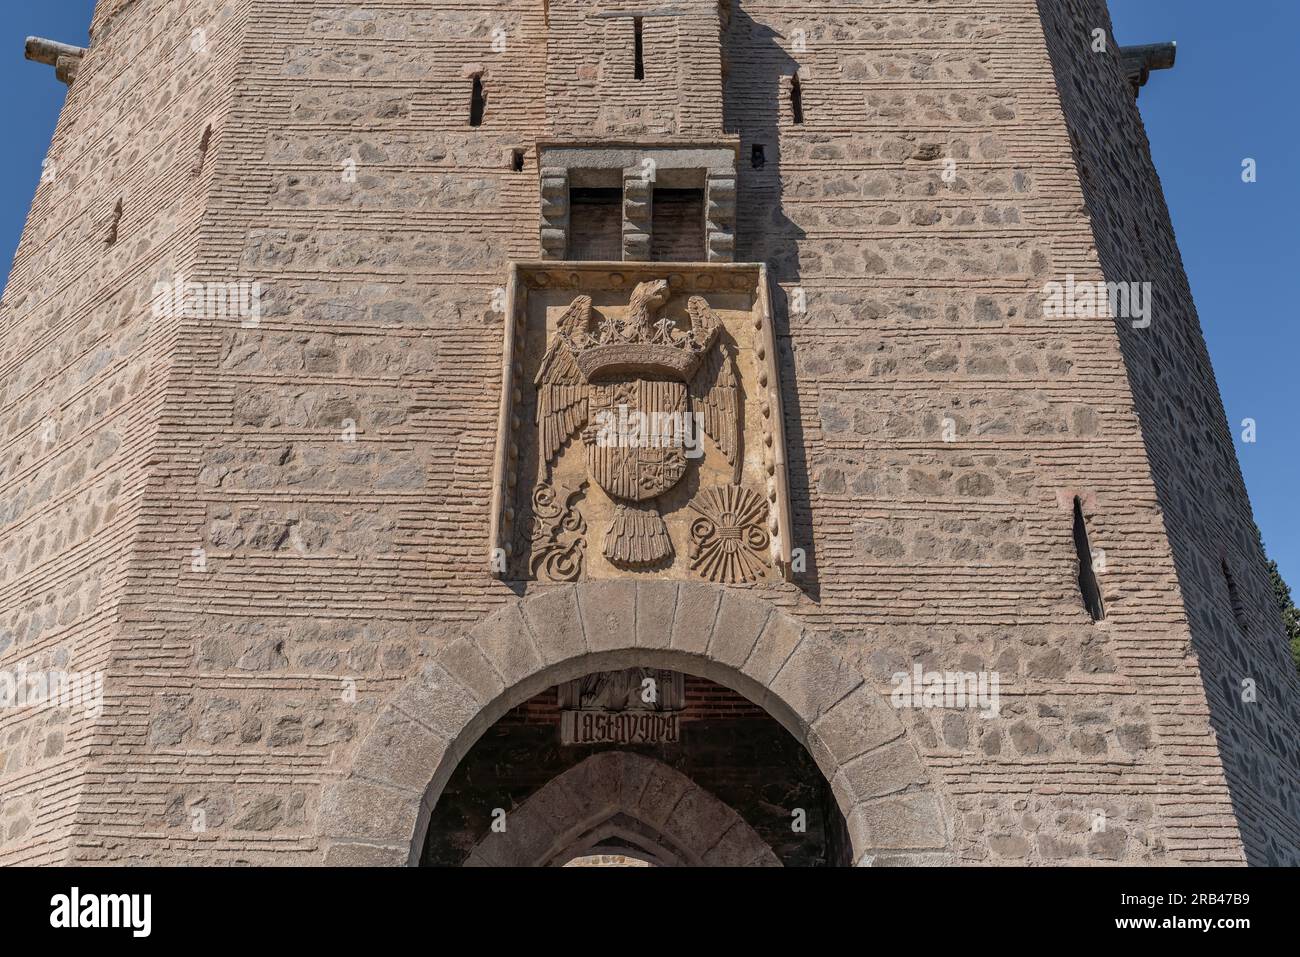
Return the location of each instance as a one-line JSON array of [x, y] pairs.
[[758, 69]]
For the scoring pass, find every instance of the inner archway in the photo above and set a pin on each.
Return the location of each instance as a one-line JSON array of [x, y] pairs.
[[731, 787], [626, 804], [379, 811]]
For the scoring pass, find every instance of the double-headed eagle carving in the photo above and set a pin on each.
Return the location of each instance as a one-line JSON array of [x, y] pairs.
[[601, 373]]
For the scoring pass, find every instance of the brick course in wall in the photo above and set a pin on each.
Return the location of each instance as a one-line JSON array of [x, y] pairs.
[[264, 532], [84, 366]]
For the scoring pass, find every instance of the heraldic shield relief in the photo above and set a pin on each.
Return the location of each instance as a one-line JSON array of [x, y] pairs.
[[652, 444]]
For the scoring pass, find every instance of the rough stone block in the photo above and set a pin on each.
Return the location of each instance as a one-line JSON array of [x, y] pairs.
[[863, 720], [661, 794], [698, 819], [740, 619], [401, 752], [902, 823], [734, 849], [608, 614], [464, 661], [656, 603], [438, 701], [554, 621], [697, 609], [355, 808], [507, 643], [814, 679], [778, 639], [358, 854], [887, 770], [591, 803]]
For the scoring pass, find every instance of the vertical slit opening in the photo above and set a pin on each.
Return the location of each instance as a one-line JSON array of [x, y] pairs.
[[757, 156], [517, 160], [638, 69], [1234, 597], [477, 102], [204, 144], [1088, 586], [114, 223], [796, 98]]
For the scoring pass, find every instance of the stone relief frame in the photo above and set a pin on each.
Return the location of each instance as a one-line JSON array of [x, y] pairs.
[[516, 427]]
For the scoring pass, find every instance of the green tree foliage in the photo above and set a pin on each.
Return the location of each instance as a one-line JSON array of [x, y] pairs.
[[1285, 605], [1290, 614]]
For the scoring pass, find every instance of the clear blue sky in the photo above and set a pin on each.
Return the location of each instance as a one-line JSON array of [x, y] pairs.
[[1231, 96]]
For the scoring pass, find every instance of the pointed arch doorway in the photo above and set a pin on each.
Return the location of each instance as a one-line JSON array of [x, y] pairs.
[[623, 804]]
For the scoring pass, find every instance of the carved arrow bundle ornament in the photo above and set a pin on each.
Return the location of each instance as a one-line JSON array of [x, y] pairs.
[[729, 540]]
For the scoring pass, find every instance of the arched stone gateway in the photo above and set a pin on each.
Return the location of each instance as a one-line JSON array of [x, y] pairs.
[[378, 812], [639, 801]]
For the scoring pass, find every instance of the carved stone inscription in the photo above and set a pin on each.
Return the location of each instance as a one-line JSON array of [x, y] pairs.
[[631, 706], [629, 727]]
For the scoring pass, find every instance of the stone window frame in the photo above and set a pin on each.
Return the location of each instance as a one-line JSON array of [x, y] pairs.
[[708, 165]]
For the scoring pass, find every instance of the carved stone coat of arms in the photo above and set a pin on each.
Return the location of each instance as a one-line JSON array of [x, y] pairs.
[[639, 391], [643, 437]]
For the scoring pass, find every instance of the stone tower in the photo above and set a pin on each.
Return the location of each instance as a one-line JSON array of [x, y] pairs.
[[520, 431]]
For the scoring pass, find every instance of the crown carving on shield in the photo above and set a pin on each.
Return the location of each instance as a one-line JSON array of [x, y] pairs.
[[643, 341]]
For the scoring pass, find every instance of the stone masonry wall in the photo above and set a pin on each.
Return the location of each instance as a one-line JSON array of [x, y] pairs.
[[312, 522], [910, 300], [83, 363], [591, 89], [1189, 443], [331, 565]]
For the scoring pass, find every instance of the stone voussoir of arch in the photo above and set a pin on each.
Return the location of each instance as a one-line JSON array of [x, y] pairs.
[[377, 813]]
